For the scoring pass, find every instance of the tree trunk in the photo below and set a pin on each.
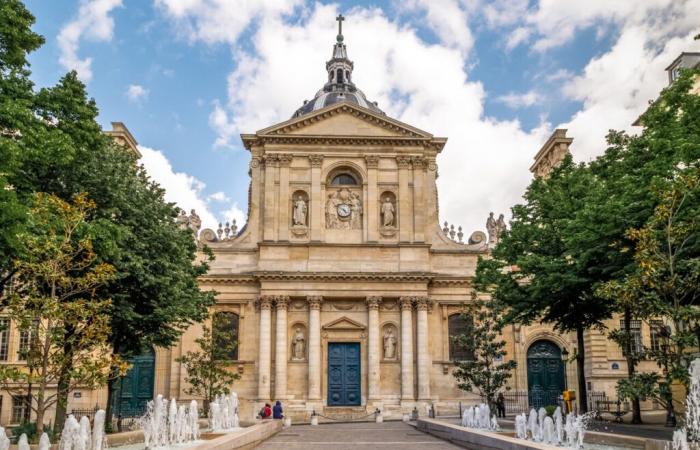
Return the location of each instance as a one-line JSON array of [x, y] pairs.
[[111, 388], [631, 363], [63, 384], [40, 410], [580, 365]]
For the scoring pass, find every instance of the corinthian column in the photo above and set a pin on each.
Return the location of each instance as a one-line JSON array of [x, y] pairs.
[[406, 348], [264, 304], [282, 303], [422, 306], [373, 370], [314, 346]]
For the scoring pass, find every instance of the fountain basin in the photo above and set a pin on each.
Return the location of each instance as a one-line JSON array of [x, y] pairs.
[[486, 440], [247, 437]]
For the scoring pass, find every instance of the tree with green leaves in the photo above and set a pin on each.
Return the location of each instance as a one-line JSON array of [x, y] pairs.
[[486, 371], [209, 368], [16, 41], [54, 289], [540, 271], [666, 283], [56, 146]]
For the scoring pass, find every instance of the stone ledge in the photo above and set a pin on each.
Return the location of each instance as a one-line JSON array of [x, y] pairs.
[[475, 439]]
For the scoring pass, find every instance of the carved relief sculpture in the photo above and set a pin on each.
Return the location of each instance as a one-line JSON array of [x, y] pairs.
[[298, 344], [300, 209], [344, 210], [389, 343], [388, 211]]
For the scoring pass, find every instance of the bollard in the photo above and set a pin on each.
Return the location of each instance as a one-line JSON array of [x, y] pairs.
[[378, 418], [287, 422], [406, 417], [314, 418]]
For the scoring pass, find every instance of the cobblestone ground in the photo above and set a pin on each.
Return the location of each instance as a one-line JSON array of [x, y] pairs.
[[355, 436]]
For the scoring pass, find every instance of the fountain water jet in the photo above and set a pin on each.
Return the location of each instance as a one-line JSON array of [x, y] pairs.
[[23, 443], [44, 442], [4, 440]]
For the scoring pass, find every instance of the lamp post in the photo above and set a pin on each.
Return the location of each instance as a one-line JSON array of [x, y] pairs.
[[565, 360], [665, 334]]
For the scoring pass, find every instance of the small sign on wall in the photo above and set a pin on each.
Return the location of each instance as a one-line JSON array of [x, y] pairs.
[[615, 366], [77, 394]]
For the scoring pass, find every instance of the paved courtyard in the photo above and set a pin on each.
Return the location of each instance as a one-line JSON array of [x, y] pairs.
[[355, 436]]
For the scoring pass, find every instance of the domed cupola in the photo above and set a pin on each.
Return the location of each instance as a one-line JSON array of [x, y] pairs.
[[339, 87]]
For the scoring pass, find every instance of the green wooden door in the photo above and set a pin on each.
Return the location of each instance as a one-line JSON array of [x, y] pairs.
[[136, 387], [545, 374]]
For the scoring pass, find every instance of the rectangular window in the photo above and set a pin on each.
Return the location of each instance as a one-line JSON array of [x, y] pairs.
[[25, 340], [4, 338], [20, 411], [655, 332], [635, 334]]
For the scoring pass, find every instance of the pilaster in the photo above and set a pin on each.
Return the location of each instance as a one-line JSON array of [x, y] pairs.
[[406, 304], [269, 216], [285, 203], [404, 201], [314, 347], [316, 206], [264, 304], [281, 305], [372, 162], [373, 348]]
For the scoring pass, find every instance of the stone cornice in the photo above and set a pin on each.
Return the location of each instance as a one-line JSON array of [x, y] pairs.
[[436, 144], [346, 276]]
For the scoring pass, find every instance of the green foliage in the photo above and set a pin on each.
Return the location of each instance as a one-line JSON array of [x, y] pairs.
[[28, 428], [550, 410], [208, 368], [487, 372], [53, 298], [645, 385]]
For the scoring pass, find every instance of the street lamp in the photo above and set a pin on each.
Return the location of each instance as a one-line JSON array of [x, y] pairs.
[[665, 334], [565, 360]]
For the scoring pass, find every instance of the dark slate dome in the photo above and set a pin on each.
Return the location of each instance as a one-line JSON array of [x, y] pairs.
[[339, 87]]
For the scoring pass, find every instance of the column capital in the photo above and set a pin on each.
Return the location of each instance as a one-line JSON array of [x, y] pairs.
[[285, 159], [373, 302], [316, 160], [372, 161], [423, 303], [281, 302], [314, 301], [406, 303], [255, 162], [419, 163], [404, 162], [264, 302], [272, 160]]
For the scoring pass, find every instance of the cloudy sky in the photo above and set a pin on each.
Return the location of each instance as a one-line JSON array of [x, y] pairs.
[[494, 76]]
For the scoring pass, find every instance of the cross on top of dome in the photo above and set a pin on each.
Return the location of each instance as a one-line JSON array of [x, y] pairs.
[[339, 87]]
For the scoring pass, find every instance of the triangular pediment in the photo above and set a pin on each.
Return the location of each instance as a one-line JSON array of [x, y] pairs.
[[344, 323], [344, 119]]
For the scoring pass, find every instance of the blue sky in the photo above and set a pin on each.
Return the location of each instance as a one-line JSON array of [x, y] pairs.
[[496, 77]]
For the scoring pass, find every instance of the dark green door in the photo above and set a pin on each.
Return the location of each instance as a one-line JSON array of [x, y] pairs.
[[545, 374], [136, 387], [343, 374]]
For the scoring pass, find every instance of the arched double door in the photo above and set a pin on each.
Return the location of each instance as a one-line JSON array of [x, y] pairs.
[[135, 389], [545, 374]]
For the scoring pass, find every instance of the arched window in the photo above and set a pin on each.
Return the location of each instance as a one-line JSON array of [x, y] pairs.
[[343, 179], [339, 76], [225, 333], [458, 325]]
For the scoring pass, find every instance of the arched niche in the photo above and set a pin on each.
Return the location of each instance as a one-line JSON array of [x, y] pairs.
[[298, 342], [390, 342], [388, 214], [299, 204]]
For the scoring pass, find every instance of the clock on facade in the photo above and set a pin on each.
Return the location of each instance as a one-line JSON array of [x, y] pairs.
[[344, 210]]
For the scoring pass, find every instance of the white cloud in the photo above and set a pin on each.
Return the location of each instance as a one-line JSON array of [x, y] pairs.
[[447, 18], [214, 21], [515, 101], [219, 197], [135, 93], [186, 191], [517, 36], [94, 23]]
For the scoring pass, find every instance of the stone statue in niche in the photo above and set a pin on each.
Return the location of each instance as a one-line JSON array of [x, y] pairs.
[[298, 344], [300, 209], [388, 211], [389, 343], [344, 210]]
